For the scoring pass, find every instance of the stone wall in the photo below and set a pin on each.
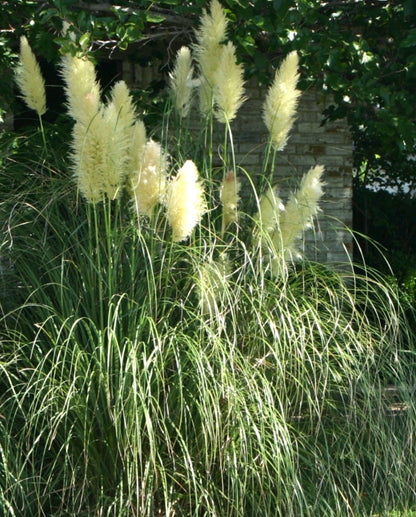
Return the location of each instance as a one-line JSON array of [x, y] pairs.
[[310, 143]]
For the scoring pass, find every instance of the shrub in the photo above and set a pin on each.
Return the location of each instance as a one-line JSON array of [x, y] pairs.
[[165, 354]]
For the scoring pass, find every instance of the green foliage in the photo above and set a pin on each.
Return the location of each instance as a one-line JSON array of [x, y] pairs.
[[365, 55]]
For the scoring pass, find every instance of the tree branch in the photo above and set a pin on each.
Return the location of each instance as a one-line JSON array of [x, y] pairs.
[[108, 8]]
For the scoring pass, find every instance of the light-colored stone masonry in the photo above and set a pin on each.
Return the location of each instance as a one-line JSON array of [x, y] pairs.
[[310, 143]]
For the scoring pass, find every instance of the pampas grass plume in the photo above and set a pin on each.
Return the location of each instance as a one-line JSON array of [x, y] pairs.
[[138, 141], [229, 85], [122, 103], [268, 217], [181, 81], [119, 117], [282, 101], [29, 78], [81, 88], [185, 202], [90, 133], [148, 182], [229, 195], [102, 135], [213, 27], [89, 157], [300, 209], [269, 210], [101, 139], [210, 36]]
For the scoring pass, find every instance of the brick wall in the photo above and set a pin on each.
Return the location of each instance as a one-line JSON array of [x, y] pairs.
[[309, 144]]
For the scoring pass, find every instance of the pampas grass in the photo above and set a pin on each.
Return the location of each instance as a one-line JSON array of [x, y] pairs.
[[270, 207], [81, 88], [29, 79], [118, 118], [102, 133], [143, 377], [228, 86], [279, 226], [136, 157], [208, 50], [88, 157], [281, 102], [149, 180], [90, 134], [181, 82], [229, 196], [185, 204], [299, 211], [213, 285]]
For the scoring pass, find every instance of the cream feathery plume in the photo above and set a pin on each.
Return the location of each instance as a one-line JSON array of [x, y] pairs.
[[89, 157], [101, 134], [281, 101], [138, 141], [300, 209], [185, 204], [29, 78], [269, 209], [229, 197], [119, 117], [101, 139], [268, 217], [181, 82], [148, 182], [228, 85], [213, 27], [90, 136], [210, 36], [122, 103], [213, 283], [81, 87]]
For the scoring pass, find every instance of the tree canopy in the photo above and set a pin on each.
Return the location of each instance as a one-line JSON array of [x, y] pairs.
[[361, 52]]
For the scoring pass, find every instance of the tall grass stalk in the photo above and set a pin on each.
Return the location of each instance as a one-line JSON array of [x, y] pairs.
[[140, 376]]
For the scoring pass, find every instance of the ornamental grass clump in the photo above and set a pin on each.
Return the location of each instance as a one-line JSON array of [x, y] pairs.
[[165, 350]]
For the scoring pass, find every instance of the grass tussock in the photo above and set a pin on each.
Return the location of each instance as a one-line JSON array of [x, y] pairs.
[[123, 395]]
